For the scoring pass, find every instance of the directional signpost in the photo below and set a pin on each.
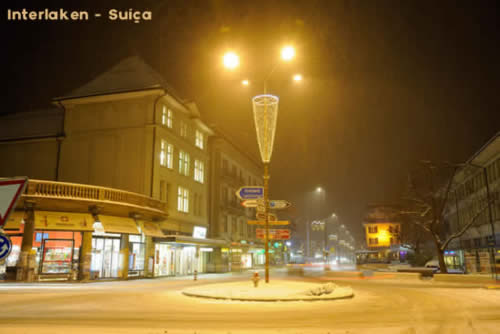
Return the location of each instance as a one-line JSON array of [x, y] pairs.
[[250, 192], [263, 222], [279, 204], [274, 234], [249, 203]]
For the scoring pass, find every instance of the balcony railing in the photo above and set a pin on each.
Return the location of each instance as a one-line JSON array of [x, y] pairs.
[[76, 191]]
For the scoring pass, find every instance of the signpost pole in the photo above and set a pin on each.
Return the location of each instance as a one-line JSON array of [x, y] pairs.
[[266, 204]]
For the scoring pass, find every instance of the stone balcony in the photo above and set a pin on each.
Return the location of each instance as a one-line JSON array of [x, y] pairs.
[[75, 197]]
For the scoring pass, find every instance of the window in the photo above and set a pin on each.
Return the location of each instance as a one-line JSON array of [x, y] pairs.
[[166, 154], [170, 156], [183, 199], [372, 229], [199, 171], [373, 241], [184, 163], [166, 116], [184, 129], [199, 139], [163, 153]]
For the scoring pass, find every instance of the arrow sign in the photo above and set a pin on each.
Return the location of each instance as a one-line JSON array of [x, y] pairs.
[[5, 246], [10, 191], [249, 203], [260, 222], [250, 192], [262, 216], [279, 204], [274, 234]]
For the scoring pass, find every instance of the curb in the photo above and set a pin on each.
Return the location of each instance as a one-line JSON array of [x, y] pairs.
[[305, 299], [491, 287]]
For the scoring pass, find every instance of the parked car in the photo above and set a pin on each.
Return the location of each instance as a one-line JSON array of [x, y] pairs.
[[434, 265]]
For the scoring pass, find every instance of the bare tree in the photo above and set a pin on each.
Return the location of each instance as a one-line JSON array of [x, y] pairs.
[[429, 190]]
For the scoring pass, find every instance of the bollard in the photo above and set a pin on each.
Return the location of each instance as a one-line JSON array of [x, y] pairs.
[[196, 275], [255, 279]]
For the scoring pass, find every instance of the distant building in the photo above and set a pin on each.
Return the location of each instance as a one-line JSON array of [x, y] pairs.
[[382, 235], [478, 249]]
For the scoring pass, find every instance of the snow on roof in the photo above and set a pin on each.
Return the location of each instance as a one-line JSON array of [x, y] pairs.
[[131, 74]]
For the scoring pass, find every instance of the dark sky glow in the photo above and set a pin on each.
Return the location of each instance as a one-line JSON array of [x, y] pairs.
[[387, 83]]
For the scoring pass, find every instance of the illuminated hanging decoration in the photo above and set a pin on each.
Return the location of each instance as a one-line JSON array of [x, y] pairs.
[[265, 112]]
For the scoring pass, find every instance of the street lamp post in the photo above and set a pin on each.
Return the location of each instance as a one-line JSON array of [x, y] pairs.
[[265, 111]]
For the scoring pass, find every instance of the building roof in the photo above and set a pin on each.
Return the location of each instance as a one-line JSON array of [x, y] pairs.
[[487, 151], [130, 74]]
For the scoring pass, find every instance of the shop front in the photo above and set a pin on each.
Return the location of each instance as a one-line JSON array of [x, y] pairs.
[[113, 239], [177, 255], [56, 243]]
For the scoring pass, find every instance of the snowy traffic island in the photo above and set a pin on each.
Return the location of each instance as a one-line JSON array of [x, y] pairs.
[[275, 290]]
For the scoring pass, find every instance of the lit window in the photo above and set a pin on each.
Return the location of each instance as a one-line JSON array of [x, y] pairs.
[[166, 154], [163, 153], [166, 116], [199, 139], [184, 163], [169, 118], [199, 171], [372, 229], [183, 199], [170, 156]]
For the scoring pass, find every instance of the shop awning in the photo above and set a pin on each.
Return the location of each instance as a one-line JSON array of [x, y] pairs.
[[183, 239], [113, 224], [169, 225], [14, 222], [68, 221], [152, 229]]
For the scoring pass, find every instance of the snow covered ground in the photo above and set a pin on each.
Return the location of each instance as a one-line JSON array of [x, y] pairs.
[[274, 290], [158, 307]]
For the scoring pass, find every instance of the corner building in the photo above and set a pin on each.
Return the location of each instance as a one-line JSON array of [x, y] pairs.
[[118, 177]]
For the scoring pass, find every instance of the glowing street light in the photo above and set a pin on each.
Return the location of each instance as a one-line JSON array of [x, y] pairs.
[[319, 189], [245, 82], [297, 77], [231, 60], [287, 53]]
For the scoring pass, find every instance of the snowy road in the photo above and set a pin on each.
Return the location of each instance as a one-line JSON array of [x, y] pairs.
[[158, 307]]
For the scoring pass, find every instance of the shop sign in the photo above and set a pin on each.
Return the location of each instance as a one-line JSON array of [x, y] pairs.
[[224, 250], [199, 232], [14, 221], [48, 220], [206, 249]]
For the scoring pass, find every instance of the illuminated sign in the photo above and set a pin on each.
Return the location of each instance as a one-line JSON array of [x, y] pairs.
[[199, 232]]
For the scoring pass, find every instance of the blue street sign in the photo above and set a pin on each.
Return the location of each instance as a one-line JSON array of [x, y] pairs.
[[250, 192], [5, 246]]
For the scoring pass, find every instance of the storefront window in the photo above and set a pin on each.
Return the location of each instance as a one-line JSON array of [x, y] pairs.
[[105, 257], [57, 256], [164, 260]]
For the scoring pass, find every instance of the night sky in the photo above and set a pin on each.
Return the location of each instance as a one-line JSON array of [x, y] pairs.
[[386, 83]]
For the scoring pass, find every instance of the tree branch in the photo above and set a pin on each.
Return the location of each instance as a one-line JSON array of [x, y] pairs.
[[466, 226]]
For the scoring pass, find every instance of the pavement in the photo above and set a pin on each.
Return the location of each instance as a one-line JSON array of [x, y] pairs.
[[159, 307]]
